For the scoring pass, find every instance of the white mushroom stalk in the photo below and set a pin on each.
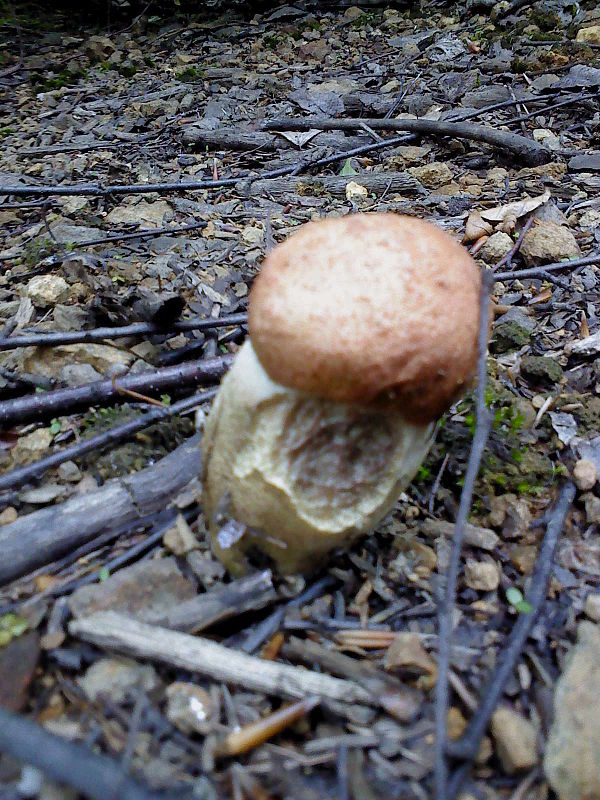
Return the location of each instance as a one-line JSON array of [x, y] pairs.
[[358, 342]]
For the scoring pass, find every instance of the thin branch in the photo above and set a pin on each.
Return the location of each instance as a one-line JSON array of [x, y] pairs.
[[446, 607], [527, 150], [508, 257], [538, 272], [44, 339], [166, 230], [203, 656], [97, 190], [66, 762], [36, 539], [35, 408], [119, 433], [467, 746]]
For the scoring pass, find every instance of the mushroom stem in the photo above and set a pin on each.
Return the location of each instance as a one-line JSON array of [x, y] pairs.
[[291, 476]]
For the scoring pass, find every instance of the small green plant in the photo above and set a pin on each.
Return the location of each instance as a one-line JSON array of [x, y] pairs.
[[190, 74], [270, 42], [515, 598], [423, 474], [11, 627]]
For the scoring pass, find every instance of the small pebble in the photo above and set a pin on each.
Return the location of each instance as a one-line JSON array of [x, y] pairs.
[[592, 607], [585, 474], [483, 576]]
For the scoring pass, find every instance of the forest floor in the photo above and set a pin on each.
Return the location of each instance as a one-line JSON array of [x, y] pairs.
[[130, 109]]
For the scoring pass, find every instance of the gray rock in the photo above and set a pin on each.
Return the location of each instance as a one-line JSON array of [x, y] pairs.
[[69, 471], [146, 591], [190, 708], [45, 290], [516, 740], [486, 95], [547, 242], [541, 370], [572, 756], [118, 678], [78, 374], [512, 330], [496, 247]]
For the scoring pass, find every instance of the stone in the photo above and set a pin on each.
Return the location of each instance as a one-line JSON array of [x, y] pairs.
[[179, 538], [591, 504], [146, 591], [189, 708], [546, 138], [406, 652], [590, 219], [589, 35], [547, 242], [8, 515], [118, 678], [18, 662], [143, 212], [524, 556], [69, 471], [432, 175], [483, 576], [497, 246], [31, 446], [102, 357], [585, 474], [516, 740], [41, 495], [475, 535], [486, 95], [572, 756], [356, 193], [46, 290], [99, 48], [69, 318], [541, 370], [512, 330], [592, 607], [79, 374]]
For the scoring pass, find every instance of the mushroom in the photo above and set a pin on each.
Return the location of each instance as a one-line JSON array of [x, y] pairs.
[[363, 331]]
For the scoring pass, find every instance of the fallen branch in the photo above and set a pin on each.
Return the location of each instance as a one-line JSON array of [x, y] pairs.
[[375, 182], [467, 746], [88, 190], [115, 435], [227, 600], [248, 139], [45, 535], [44, 339], [166, 230], [447, 602], [527, 150], [38, 407], [223, 664], [68, 763], [538, 272]]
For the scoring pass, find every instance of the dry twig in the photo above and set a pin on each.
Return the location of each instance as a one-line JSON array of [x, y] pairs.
[[468, 745], [65, 401], [526, 150], [117, 632], [446, 606]]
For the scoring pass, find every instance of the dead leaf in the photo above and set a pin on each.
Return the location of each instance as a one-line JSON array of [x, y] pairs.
[[518, 208], [476, 227], [299, 138]]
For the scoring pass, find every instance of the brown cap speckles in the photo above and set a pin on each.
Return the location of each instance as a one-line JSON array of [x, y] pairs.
[[369, 308]]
